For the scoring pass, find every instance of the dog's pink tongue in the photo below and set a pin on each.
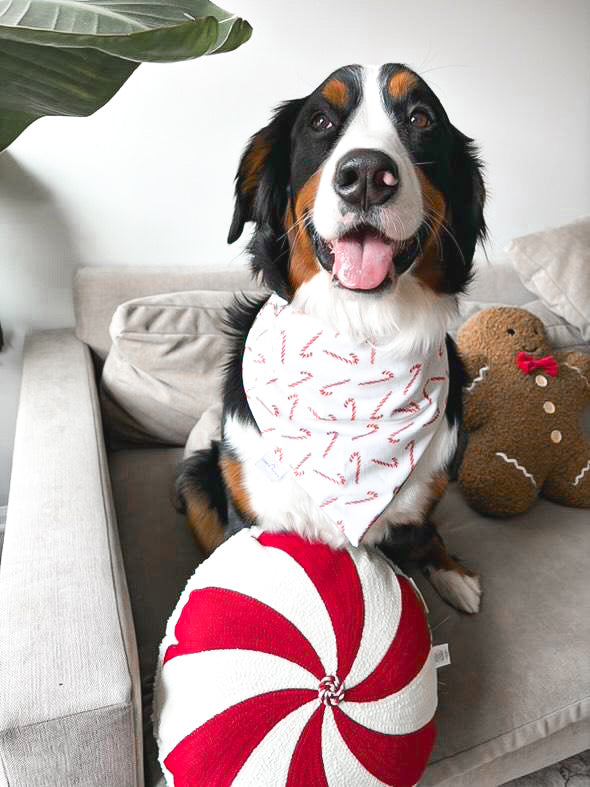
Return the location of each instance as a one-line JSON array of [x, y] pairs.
[[362, 264]]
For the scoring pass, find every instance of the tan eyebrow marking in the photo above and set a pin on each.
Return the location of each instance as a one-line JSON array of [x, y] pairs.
[[401, 83], [336, 92]]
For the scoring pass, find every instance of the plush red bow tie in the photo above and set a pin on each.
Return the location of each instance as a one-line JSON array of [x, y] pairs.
[[528, 365]]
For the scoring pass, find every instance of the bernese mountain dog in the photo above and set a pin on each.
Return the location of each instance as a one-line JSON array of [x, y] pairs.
[[367, 204]]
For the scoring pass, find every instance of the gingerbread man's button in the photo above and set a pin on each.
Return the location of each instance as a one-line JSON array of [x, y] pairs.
[[541, 380], [549, 407], [556, 436]]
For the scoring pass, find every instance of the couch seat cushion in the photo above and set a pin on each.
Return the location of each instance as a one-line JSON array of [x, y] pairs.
[[519, 669], [160, 555]]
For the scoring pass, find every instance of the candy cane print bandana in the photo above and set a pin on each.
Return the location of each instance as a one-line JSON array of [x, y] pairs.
[[349, 420]]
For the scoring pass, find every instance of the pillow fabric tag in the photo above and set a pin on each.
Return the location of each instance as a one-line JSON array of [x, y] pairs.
[[441, 655]]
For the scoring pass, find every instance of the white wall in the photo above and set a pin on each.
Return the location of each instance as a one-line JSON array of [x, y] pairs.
[[148, 179]]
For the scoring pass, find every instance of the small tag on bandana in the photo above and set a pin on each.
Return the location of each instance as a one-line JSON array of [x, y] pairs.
[[272, 466]]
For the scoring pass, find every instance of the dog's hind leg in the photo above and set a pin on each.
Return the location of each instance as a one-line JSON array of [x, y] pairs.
[[201, 495]]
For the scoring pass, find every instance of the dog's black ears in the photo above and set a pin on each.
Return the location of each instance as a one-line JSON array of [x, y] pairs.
[[263, 175], [466, 208]]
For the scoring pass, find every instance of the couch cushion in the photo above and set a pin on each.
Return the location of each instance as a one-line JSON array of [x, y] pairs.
[[98, 290], [519, 670], [555, 265], [164, 367], [496, 281], [160, 555]]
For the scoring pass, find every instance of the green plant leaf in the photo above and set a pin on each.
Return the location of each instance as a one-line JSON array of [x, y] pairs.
[[69, 57]]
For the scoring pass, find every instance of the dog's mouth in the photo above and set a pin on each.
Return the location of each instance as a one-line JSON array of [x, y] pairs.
[[366, 260]]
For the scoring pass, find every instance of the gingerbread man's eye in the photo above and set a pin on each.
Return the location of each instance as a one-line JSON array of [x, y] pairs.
[[510, 332]]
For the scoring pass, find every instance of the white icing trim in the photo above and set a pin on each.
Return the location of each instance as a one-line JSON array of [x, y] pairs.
[[579, 371], [582, 472], [478, 379], [523, 470]]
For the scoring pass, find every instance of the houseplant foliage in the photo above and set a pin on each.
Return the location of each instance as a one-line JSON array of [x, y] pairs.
[[69, 57]]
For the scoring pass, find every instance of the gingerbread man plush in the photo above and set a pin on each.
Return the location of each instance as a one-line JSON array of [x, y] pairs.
[[522, 414]]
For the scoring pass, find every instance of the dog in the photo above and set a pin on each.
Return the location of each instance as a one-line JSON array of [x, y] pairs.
[[367, 205]]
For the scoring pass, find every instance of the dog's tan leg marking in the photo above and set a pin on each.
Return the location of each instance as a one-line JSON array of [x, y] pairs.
[[203, 521]]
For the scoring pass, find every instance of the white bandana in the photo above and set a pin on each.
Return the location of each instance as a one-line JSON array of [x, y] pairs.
[[349, 420]]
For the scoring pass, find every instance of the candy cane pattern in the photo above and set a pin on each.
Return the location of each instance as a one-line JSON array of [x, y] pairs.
[[373, 353], [426, 396], [387, 377], [356, 458], [352, 359], [410, 447], [371, 429], [332, 441], [379, 406], [319, 417], [414, 371], [283, 346], [339, 480], [278, 308], [352, 404], [325, 392], [433, 419], [259, 356], [328, 502], [304, 354], [410, 408], [392, 463], [393, 435], [306, 376], [297, 470], [305, 436], [273, 409], [370, 496], [295, 399]]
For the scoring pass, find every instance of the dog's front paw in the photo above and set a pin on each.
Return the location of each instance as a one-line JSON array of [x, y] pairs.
[[461, 590]]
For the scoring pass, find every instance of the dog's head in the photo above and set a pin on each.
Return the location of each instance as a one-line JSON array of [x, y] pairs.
[[359, 186]]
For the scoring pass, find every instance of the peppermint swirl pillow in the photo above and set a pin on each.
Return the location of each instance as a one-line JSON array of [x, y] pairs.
[[289, 663]]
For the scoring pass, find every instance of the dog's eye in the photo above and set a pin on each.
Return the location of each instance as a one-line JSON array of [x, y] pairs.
[[510, 332], [419, 119], [321, 122]]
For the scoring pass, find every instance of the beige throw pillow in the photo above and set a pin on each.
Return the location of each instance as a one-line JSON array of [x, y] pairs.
[[555, 266], [163, 370]]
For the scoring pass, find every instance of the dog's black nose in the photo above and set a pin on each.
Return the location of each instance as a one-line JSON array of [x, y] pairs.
[[365, 177]]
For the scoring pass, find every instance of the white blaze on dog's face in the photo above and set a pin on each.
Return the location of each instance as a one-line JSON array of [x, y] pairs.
[[367, 203], [369, 149]]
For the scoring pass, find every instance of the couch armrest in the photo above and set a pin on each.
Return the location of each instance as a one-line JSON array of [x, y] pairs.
[[70, 707]]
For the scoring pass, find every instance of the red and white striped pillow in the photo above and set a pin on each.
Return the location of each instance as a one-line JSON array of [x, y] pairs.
[[289, 663]]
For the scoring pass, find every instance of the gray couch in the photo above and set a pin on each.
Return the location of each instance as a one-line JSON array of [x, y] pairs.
[[95, 557]]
